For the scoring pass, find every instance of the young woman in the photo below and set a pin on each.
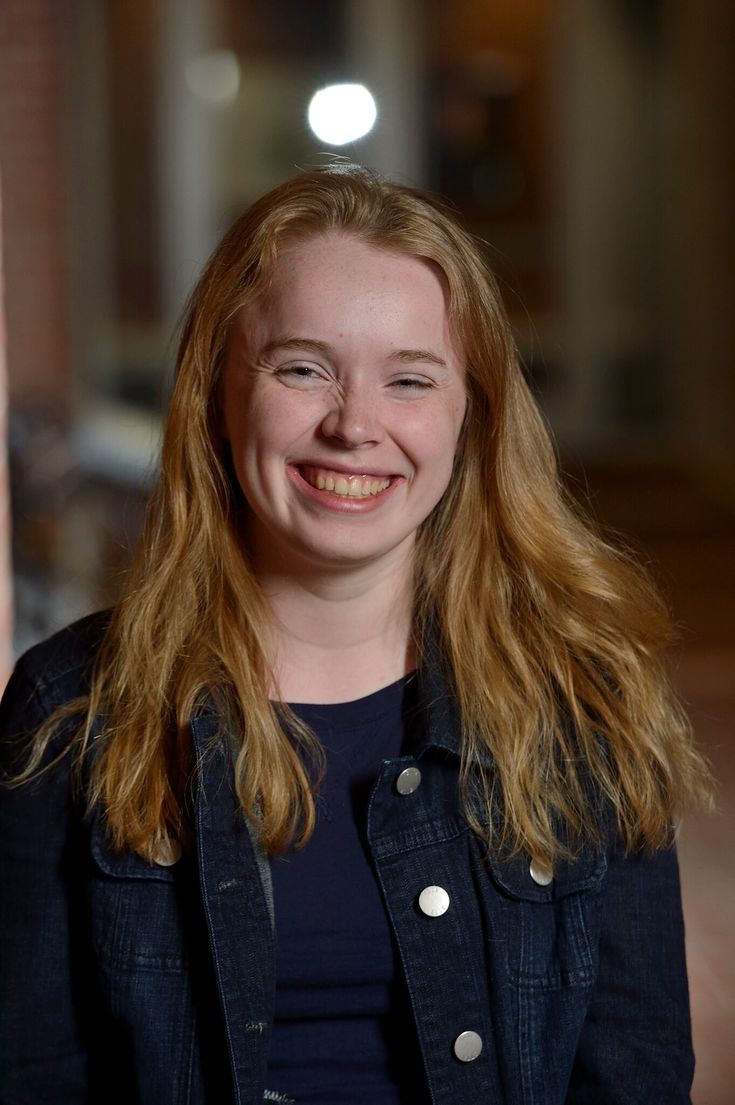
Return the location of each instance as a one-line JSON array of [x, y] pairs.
[[364, 791]]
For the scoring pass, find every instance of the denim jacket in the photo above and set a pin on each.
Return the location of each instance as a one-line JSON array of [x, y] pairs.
[[153, 984]]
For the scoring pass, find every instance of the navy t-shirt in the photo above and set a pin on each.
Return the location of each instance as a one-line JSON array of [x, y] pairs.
[[343, 1032]]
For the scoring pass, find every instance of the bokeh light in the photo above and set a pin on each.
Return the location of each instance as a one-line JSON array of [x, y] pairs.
[[342, 113], [214, 77]]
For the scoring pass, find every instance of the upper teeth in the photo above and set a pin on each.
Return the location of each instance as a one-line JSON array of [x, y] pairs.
[[353, 487]]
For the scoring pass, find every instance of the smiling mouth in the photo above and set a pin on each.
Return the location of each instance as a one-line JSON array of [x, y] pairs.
[[343, 486]]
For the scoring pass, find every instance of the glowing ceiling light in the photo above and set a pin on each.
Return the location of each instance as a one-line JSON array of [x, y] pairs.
[[342, 113]]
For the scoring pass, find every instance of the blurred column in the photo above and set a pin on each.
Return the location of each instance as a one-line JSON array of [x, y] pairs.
[[6, 590], [33, 166], [386, 52], [187, 149], [91, 241], [602, 158], [702, 233]]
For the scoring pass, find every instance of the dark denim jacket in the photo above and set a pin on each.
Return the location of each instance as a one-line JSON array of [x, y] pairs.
[[122, 981]]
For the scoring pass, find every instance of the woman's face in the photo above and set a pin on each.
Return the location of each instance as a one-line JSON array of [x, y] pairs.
[[342, 400]]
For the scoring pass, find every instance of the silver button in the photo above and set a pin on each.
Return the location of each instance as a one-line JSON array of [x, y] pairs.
[[540, 873], [433, 901], [468, 1046], [408, 781], [168, 853]]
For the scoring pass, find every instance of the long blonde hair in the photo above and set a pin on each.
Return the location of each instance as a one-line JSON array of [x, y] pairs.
[[552, 640]]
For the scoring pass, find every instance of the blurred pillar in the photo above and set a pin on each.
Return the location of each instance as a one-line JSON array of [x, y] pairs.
[[34, 186], [702, 233], [91, 240], [385, 51], [187, 148], [6, 591], [602, 157]]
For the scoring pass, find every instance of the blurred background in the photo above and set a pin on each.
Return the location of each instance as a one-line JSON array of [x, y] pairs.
[[591, 143]]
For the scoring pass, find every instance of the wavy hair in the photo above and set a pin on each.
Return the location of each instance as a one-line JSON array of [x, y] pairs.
[[553, 640]]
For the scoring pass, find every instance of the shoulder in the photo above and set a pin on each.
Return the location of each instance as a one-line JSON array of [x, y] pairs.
[[68, 653], [50, 674]]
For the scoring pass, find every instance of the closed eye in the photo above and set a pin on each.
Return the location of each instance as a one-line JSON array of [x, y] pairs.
[[412, 383]]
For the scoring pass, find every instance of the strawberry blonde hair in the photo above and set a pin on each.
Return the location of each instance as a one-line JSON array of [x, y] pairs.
[[552, 639]]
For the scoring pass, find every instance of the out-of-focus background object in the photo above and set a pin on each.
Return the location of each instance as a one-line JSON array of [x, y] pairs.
[[6, 587], [591, 143]]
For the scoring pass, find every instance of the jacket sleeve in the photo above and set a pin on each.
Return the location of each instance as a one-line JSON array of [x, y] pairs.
[[42, 1054], [635, 1047]]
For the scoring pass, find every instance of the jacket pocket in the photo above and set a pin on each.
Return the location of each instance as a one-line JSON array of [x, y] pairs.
[[137, 909], [548, 929]]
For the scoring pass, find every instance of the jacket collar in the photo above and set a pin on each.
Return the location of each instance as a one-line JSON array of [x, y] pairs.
[[442, 726]]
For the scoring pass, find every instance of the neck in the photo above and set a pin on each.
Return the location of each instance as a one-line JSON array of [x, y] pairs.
[[340, 635]]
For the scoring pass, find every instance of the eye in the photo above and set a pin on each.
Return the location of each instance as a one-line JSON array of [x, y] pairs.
[[303, 376], [411, 383]]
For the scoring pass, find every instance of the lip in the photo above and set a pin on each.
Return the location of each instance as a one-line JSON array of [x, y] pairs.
[[338, 504]]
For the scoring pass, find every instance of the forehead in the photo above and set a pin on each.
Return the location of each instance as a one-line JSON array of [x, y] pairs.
[[342, 285], [340, 250]]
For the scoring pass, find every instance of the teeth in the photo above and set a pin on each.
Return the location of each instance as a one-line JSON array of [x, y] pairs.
[[349, 487]]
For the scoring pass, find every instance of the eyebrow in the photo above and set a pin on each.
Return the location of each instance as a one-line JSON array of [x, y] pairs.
[[403, 356], [313, 345], [406, 356]]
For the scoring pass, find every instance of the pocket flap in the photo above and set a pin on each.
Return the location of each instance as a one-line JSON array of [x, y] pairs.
[[514, 877], [125, 865]]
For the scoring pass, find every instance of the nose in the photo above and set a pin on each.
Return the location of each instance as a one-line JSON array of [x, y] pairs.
[[351, 420]]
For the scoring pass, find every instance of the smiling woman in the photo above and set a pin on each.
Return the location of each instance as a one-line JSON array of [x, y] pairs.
[[365, 790], [342, 401]]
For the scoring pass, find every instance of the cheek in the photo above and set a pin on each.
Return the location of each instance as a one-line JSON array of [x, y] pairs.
[[460, 416], [235, 401], [249, 421], [438, 465], [447, 445], [263, 438], [460, 413], [448, 432]]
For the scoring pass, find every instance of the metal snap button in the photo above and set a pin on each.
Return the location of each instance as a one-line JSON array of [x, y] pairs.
[[433, 901], [540, 873], [168, 853], [468, 1046], [408, 781]]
